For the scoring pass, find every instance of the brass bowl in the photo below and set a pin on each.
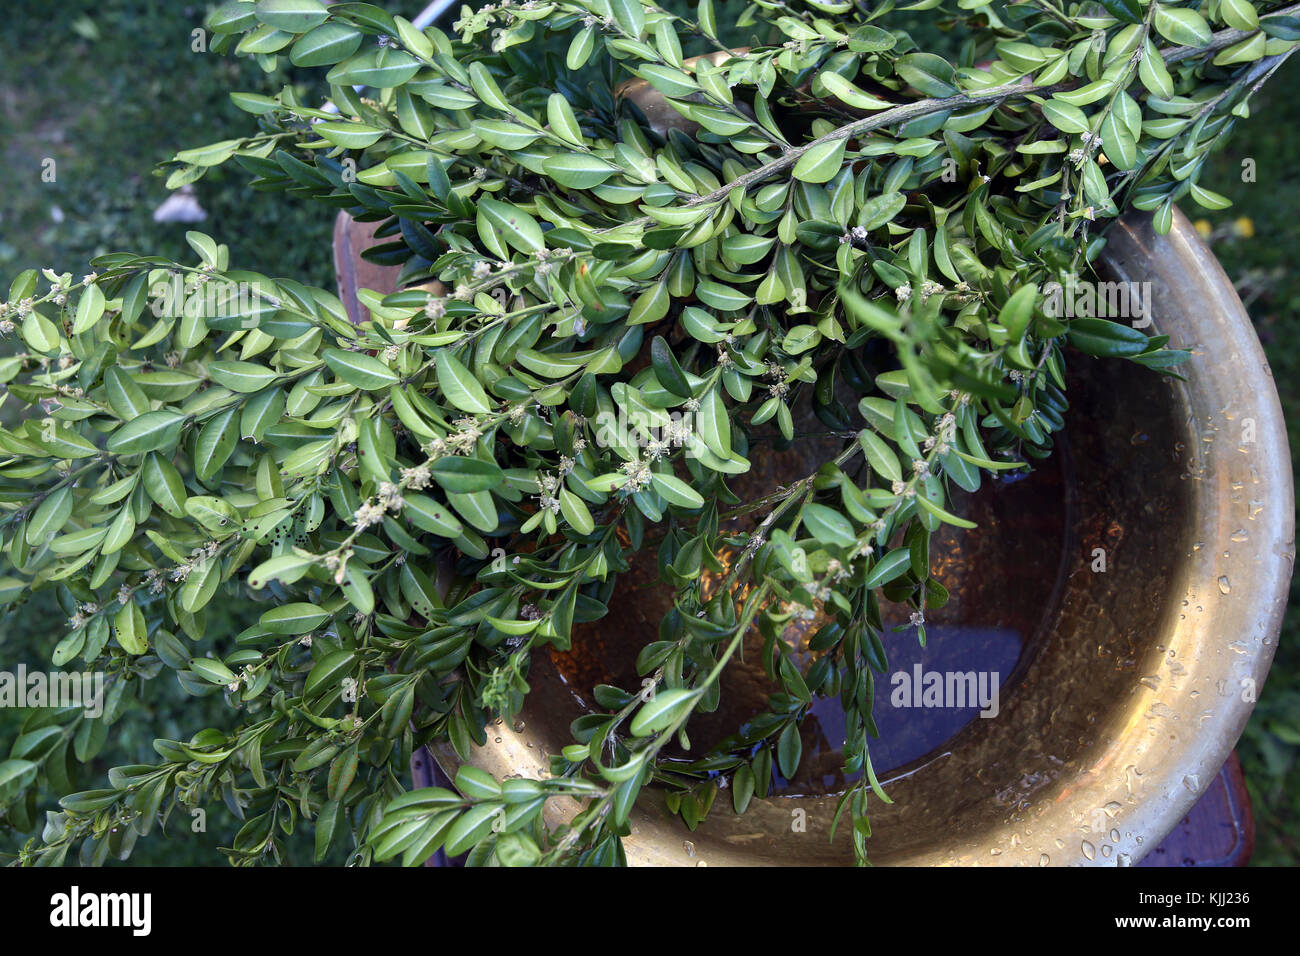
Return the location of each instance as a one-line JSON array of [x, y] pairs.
[[1128, 688]]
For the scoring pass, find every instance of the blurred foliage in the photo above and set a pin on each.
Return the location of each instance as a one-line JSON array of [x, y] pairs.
[[110, 90], [1258, 240], [116, 90]]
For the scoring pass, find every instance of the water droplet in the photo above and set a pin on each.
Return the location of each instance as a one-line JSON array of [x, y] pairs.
[[1224, 586], [519, 726], [1044, 859], [1114, 836], [1240, 535], [1197, 545], [1192, 782], [498, 740], [1107, 850], [689, 847], [1089, 851]]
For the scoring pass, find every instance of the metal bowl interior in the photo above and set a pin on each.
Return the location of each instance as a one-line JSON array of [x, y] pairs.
[[1123, 690]]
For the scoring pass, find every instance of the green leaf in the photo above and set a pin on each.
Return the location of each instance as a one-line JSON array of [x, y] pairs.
[[667, 369], [577, 170], [292, 16], [1281, 27], [285, 567], [1182, 26], [460, 387], [1239, 14], [505, 135], [150, 432], [821, 162], [471, 827], [661, 711], [893, 565], [163, 484], [1104, 338], [575, 512], [880, 456], [427, 514], [50, 516], [930, 74], [515, 226], [465, 475], [563, 122], [242, 376], [298, 618], [214, 154], [213, 513], [713, 425], [125, 397], [89, 309], [329, 671], [129, 627], [1066, 118], [360, 370], [668, 80], [481, 81], [1016, 314], [349, 135], [212, 670], [742, 788], [40, 333], [1154, 74], [16, 774], [517, 849], [630, 15], [1127, 11], [580, 49], [215, 443], [828, 526], [367, 69], [326, 45], [789, 750], [675, 491], [846, 92], [1118, 142], [261, 412], [945, 516]]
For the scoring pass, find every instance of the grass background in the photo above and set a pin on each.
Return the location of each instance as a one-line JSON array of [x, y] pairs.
[[109, 88]]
